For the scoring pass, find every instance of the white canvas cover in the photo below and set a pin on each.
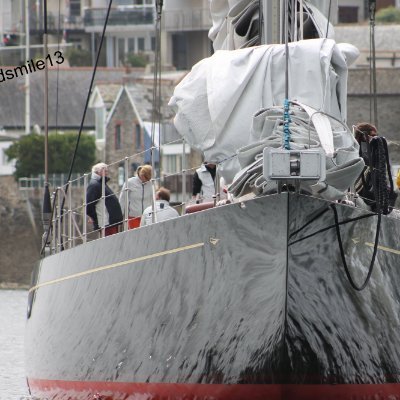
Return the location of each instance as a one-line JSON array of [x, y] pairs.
[[216, 101]]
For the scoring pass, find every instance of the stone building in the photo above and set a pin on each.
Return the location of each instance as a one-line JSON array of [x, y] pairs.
[[129, 132], [360, 106]]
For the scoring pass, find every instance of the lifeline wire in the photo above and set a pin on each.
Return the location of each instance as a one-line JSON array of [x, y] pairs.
[[326, 228]]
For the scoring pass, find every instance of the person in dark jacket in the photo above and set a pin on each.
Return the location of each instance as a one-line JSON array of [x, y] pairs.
[[204, 182], [109, 216]]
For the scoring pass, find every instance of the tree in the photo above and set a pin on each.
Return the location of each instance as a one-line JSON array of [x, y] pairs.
[[78, 57], [136, 60], [29, 154], [388, 15]]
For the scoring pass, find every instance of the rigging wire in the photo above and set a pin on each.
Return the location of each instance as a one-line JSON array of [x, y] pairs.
[[327, 228], [89, 93], [58, 65], [382, 193], [342, 254], [286, 49], [46, 207], [156, 111], [372, 64], [260, 22], [336, 225], [329, 19], [286, 116], [82, 121]]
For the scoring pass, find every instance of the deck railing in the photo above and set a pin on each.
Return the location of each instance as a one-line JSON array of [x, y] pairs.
[[70, 224]]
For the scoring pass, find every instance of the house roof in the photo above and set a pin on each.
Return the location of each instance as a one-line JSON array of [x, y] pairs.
[[69, 97], [140, 95], [139, 92], [104, 94]]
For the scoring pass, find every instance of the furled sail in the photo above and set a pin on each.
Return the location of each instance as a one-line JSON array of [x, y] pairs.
[[236, 23], [230, 105], [216, 101]]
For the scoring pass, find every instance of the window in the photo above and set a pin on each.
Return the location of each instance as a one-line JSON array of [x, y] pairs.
[[141, 44], [131, 45], [348, 14], [75, 8], [153, 43], [124, 2], [100, 118], [121, 51], [172, 163], [121, 175], [3, 158], [118, 137], [138, 134]]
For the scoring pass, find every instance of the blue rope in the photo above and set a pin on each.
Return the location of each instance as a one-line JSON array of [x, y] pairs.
[[286, 122]]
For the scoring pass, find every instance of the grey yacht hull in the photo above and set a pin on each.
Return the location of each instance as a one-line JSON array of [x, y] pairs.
[[244, 301]]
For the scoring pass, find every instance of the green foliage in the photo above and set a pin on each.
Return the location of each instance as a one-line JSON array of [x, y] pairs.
[[78, 57], [388, 15], [136, 60], [29, 154]]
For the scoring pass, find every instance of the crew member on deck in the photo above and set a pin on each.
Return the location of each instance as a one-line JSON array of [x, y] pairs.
[[110, 215], [163, 210], [364, 132], [204, 182], [139, 195], [374, 174]]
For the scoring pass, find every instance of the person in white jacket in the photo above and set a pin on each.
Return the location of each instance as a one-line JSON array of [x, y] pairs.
[[138, 192], [163, 210]]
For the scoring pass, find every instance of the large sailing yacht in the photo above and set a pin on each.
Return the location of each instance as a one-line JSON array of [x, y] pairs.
[[288, 291]]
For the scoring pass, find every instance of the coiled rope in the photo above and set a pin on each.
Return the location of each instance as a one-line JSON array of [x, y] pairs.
[[379, 169], [343, 256]]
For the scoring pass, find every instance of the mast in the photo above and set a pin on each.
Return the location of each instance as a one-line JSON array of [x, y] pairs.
[[271, 32], [27, 80], [46, 211], [372, 9]]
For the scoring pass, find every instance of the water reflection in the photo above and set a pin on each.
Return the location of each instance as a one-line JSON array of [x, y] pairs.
[[12, 322]]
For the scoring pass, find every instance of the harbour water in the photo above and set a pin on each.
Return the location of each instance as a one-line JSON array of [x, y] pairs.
[[12, 321]]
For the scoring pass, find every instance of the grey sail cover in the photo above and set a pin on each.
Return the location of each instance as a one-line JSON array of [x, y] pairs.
[[216, 101]]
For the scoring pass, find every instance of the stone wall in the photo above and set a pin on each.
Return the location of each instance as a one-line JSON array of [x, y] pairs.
[[388, 101], [20, 235]]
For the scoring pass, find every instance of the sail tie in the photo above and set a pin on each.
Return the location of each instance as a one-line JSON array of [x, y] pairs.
[[286, 122]]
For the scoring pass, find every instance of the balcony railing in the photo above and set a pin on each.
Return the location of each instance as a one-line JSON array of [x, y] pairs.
[[119, 16], [185, 20], [54, 180], [55, 22]]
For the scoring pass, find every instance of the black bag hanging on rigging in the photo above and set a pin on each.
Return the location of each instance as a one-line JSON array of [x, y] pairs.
[[375, 184]]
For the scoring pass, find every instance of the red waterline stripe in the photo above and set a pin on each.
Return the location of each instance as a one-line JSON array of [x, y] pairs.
[[58, 389]]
